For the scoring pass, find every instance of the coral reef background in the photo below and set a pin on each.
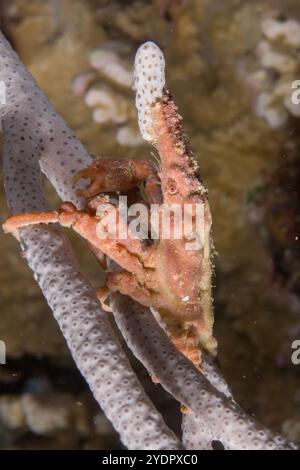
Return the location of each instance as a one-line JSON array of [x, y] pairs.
[[44, 402]]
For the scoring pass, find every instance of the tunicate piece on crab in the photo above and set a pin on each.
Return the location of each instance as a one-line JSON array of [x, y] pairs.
[[149, 82], [288, 31]]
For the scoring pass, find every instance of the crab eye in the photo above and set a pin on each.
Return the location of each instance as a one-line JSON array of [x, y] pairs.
[[171, 186]]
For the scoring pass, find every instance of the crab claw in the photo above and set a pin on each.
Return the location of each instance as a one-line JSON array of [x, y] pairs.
[[89, 172], [113, 175]]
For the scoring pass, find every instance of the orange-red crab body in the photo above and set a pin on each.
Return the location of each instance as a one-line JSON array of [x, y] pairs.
[[164, 275]]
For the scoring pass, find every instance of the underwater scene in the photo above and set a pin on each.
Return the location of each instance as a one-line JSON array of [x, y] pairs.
[[118, 334]]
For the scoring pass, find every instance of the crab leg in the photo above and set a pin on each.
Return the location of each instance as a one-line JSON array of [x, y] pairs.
[[88, 227], [14, 223], [128, 284]]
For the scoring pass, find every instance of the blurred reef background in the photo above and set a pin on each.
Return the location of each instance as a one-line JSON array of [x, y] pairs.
[[229, 66]]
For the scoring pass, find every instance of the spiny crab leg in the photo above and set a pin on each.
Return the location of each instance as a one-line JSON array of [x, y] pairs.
[[16, 222], [66, 217], [87, 226]]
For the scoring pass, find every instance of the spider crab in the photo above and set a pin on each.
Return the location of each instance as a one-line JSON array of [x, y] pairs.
[[163, 273]]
